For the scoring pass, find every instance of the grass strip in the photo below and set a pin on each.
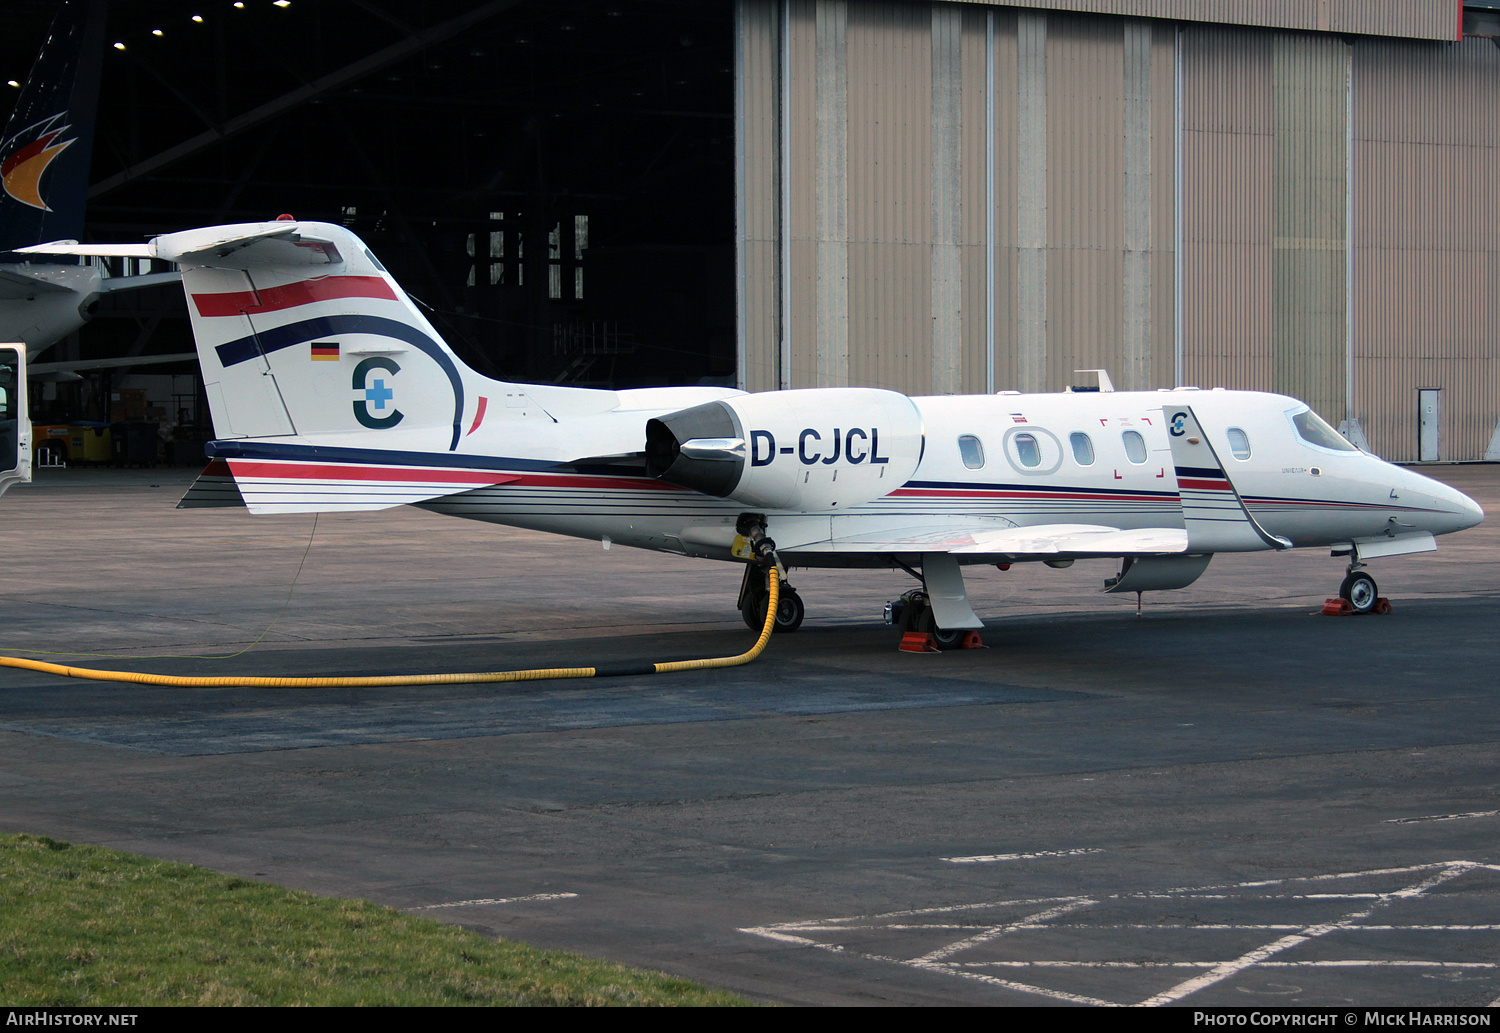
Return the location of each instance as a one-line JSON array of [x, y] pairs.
[[82, 926]]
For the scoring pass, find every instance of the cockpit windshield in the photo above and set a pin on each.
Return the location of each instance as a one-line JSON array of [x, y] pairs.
[[1314, 430]]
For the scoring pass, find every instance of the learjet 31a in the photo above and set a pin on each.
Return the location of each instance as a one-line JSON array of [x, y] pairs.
[[331, 392]]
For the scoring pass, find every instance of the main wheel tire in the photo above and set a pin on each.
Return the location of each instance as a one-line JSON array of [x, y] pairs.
[[754, 615], [789, 612], [1360, 589], [946, 639], [915, 614]]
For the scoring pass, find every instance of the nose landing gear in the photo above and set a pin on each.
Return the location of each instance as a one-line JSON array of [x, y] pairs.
[[1358, 594], [1360, 590]]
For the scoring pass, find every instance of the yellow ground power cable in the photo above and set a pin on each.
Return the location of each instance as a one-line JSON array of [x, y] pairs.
[[381, 681]]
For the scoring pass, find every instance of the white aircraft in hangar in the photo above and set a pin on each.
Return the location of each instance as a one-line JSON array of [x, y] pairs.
[[330, 392]]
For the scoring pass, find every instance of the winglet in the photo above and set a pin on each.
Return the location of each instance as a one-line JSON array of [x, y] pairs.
[[1212, 510]]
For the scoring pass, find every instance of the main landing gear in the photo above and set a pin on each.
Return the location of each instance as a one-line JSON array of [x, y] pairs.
[[754, 592], [754, 598], [912, 613], [936, 617]]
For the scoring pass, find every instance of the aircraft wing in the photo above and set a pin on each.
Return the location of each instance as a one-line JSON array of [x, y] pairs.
[[16, 285], [131, 283], [1040, 540]]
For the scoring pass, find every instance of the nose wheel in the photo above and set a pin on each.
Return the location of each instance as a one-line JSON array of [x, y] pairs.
[[1360, 589]]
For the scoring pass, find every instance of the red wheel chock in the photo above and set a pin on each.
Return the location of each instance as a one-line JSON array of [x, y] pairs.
[[918, 642], [923, 642], [1341, 607]]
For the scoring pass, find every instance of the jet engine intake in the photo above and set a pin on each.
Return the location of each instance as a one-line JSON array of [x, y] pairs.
[[813, 450]]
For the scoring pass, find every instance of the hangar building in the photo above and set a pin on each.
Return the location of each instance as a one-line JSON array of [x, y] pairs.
[[932, 197]]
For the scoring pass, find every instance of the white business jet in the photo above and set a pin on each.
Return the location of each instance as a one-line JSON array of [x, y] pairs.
[[330, 392]]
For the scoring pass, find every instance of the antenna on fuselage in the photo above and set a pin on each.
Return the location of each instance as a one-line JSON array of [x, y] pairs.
[[1102, 381]]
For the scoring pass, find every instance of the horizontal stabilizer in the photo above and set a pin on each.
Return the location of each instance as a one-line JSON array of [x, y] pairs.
[[72, 247]]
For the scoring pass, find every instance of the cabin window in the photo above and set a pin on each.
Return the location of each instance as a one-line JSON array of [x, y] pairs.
[[1239, 444], [1135, 446], [1312, 429], [1083, 449], [971, 451], [1027, 450]]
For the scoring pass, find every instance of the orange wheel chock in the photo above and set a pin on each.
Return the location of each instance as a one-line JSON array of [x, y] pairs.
[[1344, 608]]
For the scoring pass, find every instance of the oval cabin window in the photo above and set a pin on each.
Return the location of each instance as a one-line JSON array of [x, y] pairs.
[[1083, 449], [1135, 446], [1239, 444], [971, 451], [1027, 450]]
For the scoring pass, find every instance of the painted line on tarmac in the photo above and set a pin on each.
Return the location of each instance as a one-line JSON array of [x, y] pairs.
[[973, 928], [990, 858], [1440, 817], [486, 901]]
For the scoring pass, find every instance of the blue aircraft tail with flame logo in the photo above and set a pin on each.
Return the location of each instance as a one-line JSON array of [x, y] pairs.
[[46, 145]]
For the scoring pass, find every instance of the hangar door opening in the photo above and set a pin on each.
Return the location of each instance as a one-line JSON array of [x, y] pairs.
[[552, 179]]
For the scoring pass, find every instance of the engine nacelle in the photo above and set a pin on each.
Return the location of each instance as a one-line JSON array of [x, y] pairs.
[[808, 451]]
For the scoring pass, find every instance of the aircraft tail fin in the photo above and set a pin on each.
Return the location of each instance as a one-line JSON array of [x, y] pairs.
[[1212, 510], [300, 331], [46, 145], [329, 389]]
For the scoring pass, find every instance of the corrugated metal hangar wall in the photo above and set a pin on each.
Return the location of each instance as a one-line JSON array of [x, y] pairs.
[[1275, 195]]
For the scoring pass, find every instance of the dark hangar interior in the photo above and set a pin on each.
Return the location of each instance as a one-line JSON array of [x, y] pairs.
[[552, 179]]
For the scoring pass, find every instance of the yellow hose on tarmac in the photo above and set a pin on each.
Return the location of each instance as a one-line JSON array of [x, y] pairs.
[[379, 681]]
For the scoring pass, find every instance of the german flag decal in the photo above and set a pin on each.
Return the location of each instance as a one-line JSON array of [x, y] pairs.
[[325, 351]]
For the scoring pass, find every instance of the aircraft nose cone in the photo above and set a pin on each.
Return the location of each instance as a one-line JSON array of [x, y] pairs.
[[1459, 511], [1471, 513]]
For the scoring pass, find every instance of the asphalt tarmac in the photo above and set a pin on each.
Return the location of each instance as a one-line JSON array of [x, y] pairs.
[[1228, 800]]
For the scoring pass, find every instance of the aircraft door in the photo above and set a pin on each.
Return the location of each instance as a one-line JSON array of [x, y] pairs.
[[15, 425]]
